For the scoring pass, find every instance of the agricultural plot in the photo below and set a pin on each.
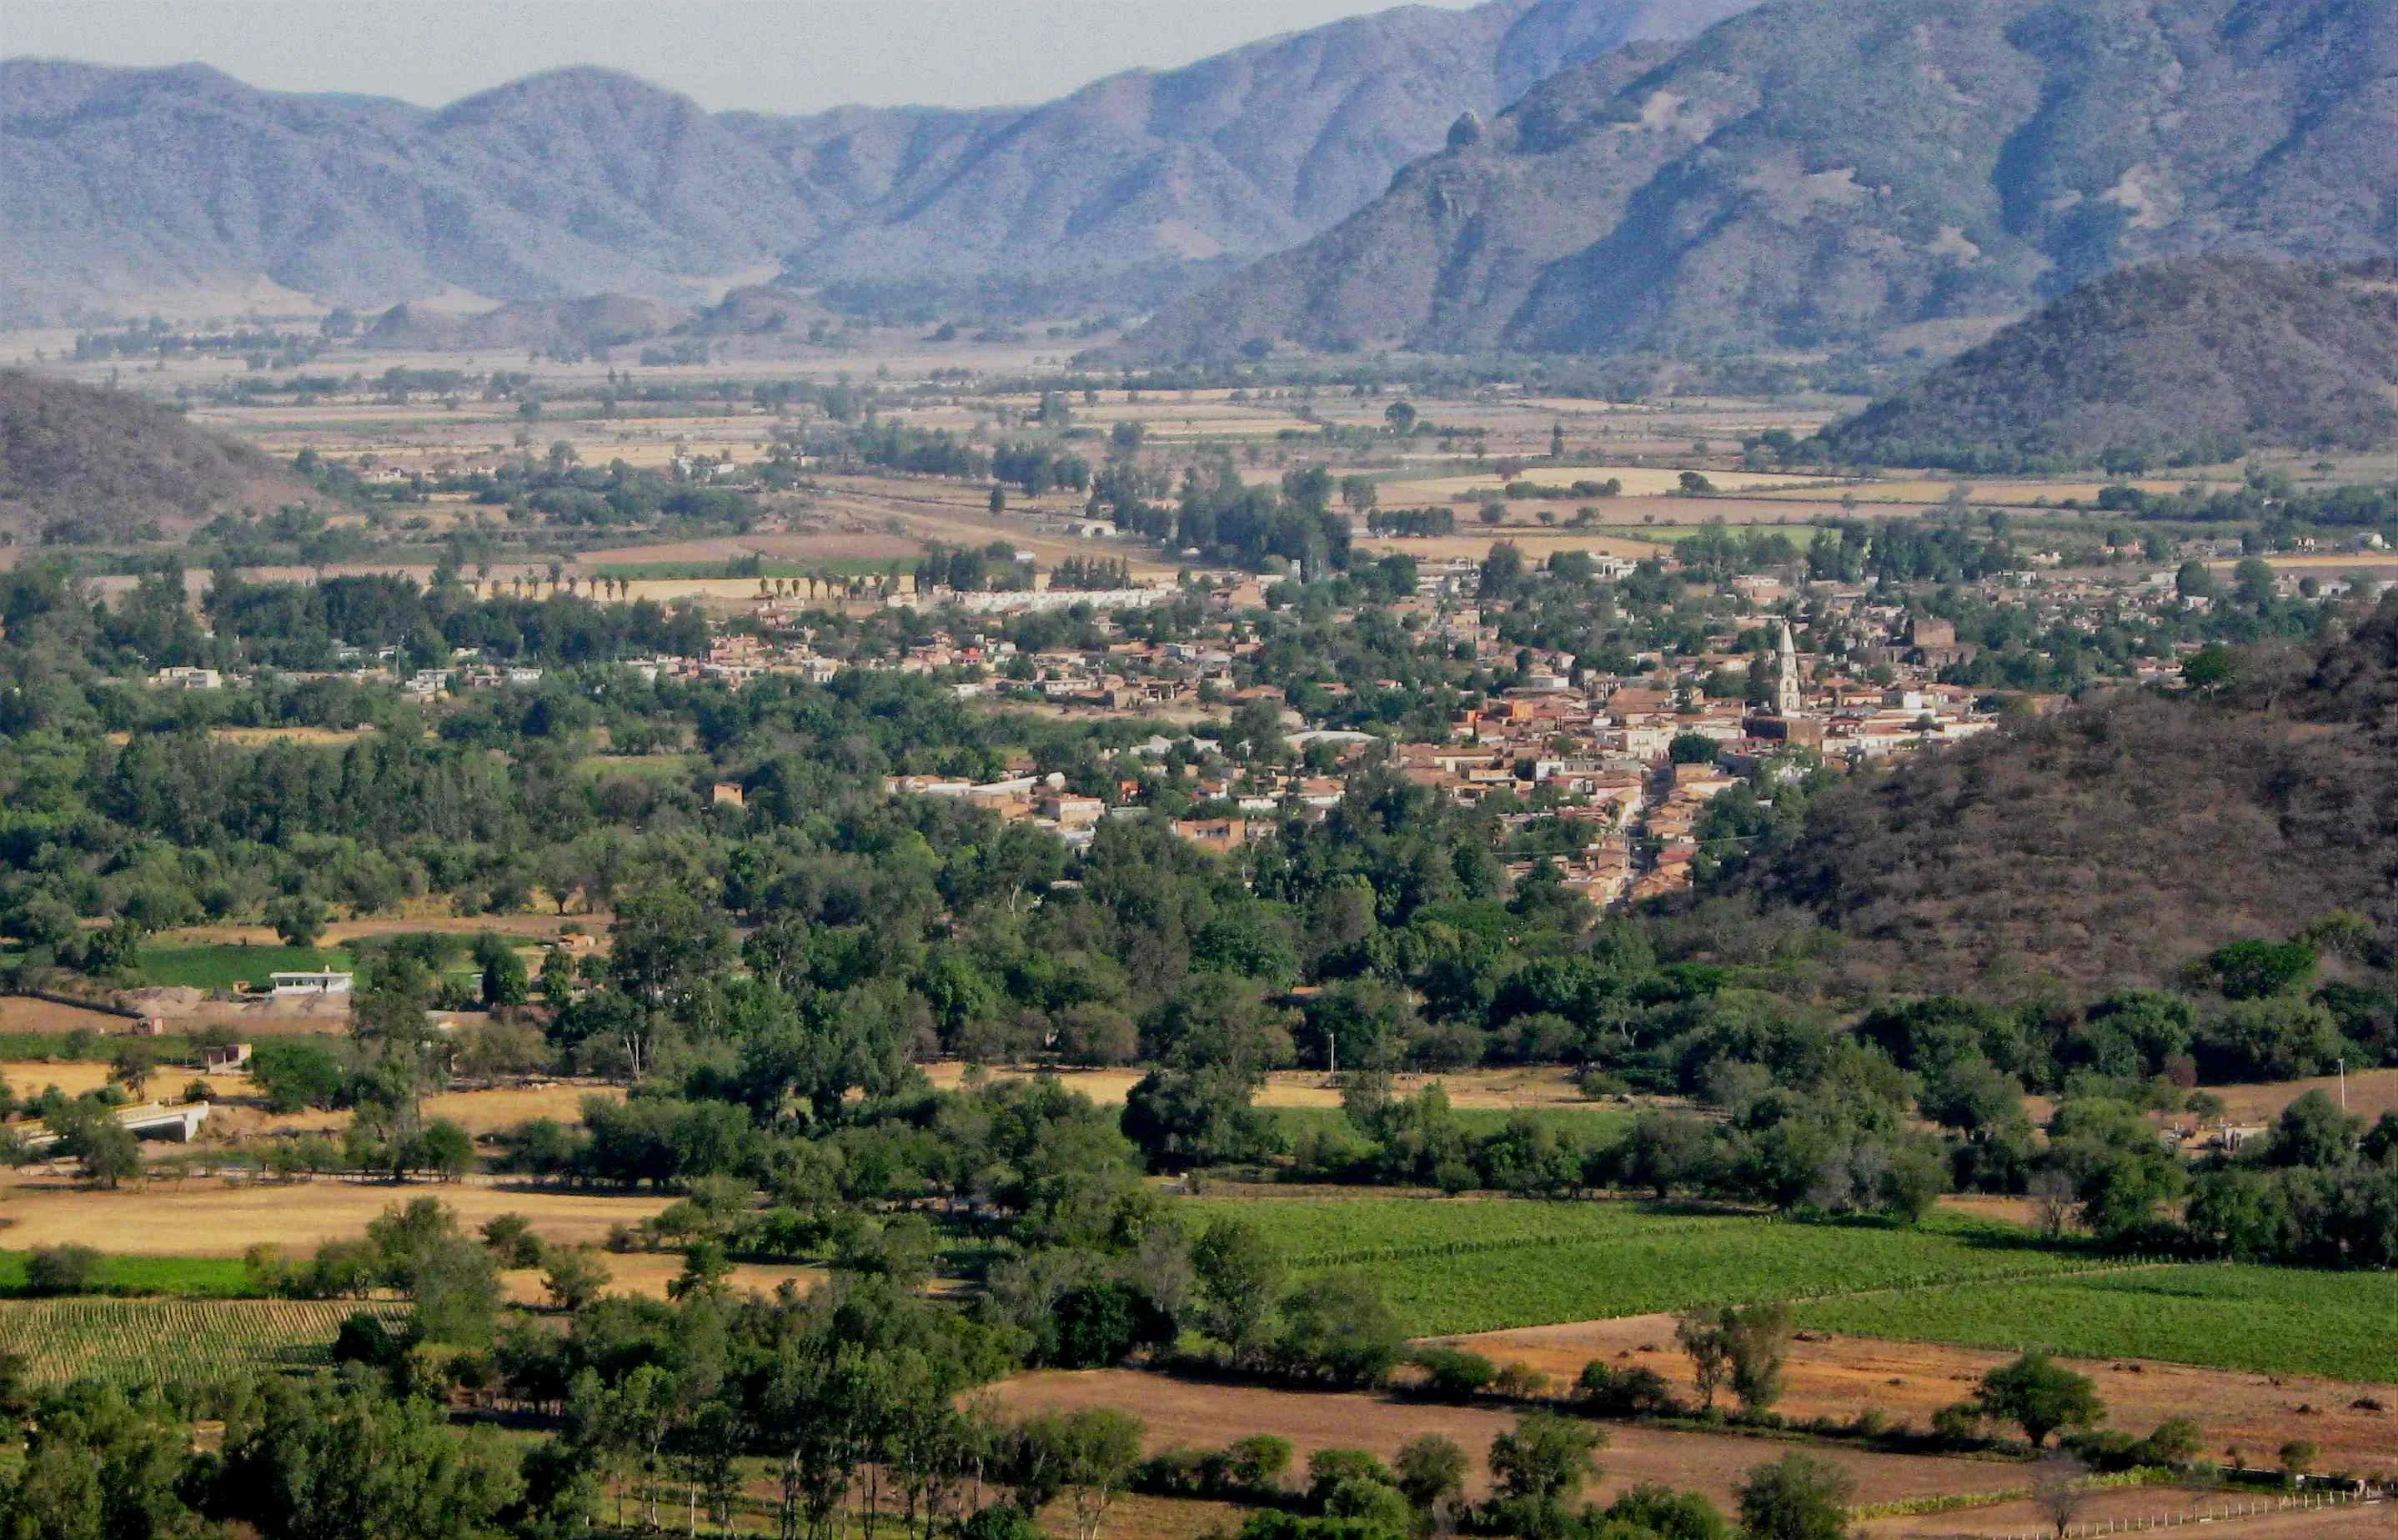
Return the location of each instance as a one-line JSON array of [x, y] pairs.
[[1452, 1266], [222, 1276], [2289, 1320], [150, 1342], [214, 967]]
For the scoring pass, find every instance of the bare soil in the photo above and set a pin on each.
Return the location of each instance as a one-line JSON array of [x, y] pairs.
[[1209, 1416], [1907, 1382]]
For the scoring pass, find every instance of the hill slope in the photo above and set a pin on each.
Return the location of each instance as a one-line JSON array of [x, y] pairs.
[[2192, 357], [116, 185], [2114, 842], [1822, 172], [79, 465]]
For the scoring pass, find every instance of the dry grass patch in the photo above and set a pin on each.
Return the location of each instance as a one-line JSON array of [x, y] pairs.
[[215, 1219], [30, 1076], [646, 1273]]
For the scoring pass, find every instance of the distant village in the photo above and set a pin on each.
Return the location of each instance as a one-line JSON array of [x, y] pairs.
[[1855, 683]]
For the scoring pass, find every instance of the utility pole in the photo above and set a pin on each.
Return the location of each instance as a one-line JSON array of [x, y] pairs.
[[2343, 1086], [1332, 1062]]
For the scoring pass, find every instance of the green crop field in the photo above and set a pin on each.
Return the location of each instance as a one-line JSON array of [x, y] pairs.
[[2270, 1320], [209, 1276], [215, 968], [139, 1342], [1456, 1266]]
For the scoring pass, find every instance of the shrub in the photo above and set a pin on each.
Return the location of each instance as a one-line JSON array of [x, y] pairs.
[[61, 1270], [1639, 1391], [1454, 1374]]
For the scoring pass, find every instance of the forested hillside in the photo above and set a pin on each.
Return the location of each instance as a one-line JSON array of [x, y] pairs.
[[79, 465], [2196, 359], [1825, 171], [2113, 843]]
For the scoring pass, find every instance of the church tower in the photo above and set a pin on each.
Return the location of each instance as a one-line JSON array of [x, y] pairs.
[[1788, 701]]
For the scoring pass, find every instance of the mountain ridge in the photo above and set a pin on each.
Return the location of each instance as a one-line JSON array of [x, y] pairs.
[[115, 185], [1819, 174]]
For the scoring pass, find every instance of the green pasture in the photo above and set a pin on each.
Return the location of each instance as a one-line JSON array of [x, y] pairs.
[[190, 1277], [220, 966], [2274, 1320]]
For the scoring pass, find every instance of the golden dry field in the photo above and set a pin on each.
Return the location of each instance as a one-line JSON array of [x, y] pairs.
[[200, 1217]]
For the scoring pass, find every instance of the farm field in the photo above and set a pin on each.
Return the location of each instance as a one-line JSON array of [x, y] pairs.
[[2269, 1319], [1209, 1416], [1639, 482], [222, 967], [1840, 1376], [145, 1342], [2370, 1093], [222, 1220], [1456, 1266], [646, 1275], [183, 1276], [74, 1077], [478, 1112]]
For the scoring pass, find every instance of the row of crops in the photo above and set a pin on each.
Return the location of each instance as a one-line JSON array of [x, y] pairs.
[[160, 1341], [1450, 1267]]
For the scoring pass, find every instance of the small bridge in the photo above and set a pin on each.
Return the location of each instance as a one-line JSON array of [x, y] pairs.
[[153, 1120]]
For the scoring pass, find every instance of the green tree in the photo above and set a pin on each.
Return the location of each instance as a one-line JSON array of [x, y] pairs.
[[1542, 1461], [98, 1467], [298, 920], [573, 1277], [1700, 1334], [322, 1461], [506, 980], [1758, 1338], [299, 1072], [1431, 1471], [1798, 1497], [1239, 1274], [2038, 1397], [1336, 1327]]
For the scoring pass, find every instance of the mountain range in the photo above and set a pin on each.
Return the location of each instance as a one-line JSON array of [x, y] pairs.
[[1830, 172], [118, 186]]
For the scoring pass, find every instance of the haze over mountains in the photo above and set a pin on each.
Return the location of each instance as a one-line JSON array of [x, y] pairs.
[[1829, 171], [120, 185]]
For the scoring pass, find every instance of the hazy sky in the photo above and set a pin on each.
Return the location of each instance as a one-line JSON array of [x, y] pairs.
[[784, 56]]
